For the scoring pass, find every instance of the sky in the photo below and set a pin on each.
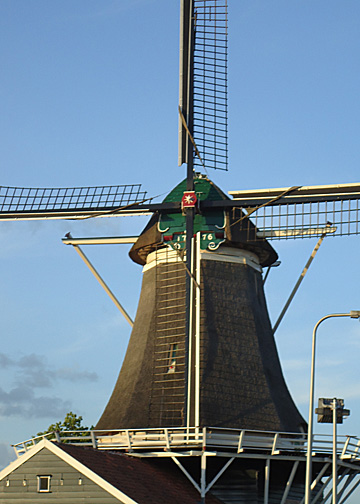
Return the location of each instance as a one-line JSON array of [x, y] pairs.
[[89, 96]]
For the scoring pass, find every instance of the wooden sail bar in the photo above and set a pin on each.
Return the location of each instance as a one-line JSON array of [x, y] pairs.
[[98, 240], [321, 191]]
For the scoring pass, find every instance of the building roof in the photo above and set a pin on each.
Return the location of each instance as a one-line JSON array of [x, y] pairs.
[[130, 479], [143, 480]]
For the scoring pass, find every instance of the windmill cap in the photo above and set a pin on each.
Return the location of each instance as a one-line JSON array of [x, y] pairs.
[[209, 220]]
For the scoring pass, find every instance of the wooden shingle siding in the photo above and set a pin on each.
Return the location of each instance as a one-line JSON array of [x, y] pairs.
[[46, 463], [241, 383]]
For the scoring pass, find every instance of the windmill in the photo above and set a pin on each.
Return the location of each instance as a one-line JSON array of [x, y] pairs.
[[243, 224]]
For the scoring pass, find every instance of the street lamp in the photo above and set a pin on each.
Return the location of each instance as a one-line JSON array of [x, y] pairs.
[[355, 315], [332, 411]]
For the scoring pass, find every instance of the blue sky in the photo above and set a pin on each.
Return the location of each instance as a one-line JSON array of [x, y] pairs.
[[88, 96]]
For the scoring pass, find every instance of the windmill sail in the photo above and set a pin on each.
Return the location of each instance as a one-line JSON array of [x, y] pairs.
[[299, 212], [203, 83], [64, 203]]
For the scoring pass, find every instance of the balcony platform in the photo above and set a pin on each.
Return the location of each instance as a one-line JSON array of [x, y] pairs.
[[194, 441]]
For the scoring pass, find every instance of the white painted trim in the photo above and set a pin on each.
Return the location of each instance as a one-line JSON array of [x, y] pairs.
[[163, 255], [222, 254], [233, 255], [88, 473]]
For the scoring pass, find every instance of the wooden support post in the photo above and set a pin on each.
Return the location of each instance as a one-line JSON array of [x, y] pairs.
[[203, 477], [289, 482], [267, 482]]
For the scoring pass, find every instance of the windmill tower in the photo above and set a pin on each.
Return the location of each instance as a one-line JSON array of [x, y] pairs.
[[202, 371], [234, 377]]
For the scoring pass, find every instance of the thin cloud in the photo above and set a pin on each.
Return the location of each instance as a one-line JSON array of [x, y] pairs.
[[21, 401], [7, 455], [103, 328], [34, 371], [71, 374], [295, 364], [31, 373], [5, 361]]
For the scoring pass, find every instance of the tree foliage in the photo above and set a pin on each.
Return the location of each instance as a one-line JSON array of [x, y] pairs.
[[71, 422]]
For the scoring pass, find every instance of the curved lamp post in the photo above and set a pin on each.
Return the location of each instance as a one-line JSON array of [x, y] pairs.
[[355, 315]]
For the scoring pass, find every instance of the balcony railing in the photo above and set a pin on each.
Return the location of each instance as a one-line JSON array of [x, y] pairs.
[[200, 439]]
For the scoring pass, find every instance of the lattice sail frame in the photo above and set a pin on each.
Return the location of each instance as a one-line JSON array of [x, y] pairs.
[[210, 104], [304, 220], [203, 121], [302, 214], [25, 200]]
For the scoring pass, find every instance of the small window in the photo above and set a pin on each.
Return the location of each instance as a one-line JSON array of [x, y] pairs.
[[172, 358], [44, 483]]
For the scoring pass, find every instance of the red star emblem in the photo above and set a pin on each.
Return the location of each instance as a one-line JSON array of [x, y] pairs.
[[189, 199]]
